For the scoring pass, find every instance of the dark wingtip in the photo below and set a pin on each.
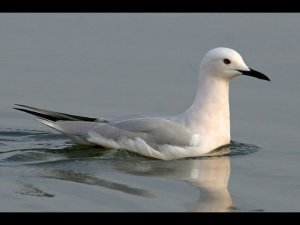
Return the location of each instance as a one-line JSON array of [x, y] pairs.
[[19, 105], [20, 109], [25, 106], [51, 115], [23, 110], [48, 117]]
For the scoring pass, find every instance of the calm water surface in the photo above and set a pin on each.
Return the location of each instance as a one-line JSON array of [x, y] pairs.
[[116, 64]]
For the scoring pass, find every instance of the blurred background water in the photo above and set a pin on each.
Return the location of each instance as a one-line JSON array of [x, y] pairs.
[[117, 64]]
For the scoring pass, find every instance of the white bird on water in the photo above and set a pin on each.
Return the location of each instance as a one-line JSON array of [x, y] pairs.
[[202, 128]]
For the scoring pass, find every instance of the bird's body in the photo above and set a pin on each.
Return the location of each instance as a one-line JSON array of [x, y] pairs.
[[203, 127]]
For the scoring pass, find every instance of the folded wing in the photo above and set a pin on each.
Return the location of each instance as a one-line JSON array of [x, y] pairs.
[[154, 131]]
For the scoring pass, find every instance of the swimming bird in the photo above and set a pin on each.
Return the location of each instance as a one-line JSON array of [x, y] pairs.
[[202, 128]]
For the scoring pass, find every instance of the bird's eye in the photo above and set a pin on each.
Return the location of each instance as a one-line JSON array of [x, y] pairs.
[[227, 61]]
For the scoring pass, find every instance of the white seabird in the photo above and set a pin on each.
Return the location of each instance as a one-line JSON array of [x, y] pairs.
[[202, 128]]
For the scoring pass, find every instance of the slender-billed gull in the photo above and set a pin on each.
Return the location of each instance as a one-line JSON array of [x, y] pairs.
[[202, 128]]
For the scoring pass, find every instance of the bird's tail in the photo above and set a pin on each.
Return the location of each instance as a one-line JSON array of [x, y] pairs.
[[49, 118], [51, 115], [52, 119]]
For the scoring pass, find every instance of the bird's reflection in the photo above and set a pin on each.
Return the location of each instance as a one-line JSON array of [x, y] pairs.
[[209, 174], [83, 178]]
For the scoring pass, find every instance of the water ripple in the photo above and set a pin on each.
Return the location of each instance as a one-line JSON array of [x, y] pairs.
[[32, 146]]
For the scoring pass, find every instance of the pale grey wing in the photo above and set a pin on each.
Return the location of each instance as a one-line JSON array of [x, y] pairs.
[[155, 131], [134, 116]]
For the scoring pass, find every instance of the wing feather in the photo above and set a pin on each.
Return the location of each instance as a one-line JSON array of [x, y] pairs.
[[155, 131]]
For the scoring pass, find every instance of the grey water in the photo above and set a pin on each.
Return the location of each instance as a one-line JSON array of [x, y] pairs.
[[122, 63]]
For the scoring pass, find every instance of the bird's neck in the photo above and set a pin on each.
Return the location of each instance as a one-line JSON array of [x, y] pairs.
[[209, 114]]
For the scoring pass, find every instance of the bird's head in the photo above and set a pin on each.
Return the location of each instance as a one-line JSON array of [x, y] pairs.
[[226, 63]]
